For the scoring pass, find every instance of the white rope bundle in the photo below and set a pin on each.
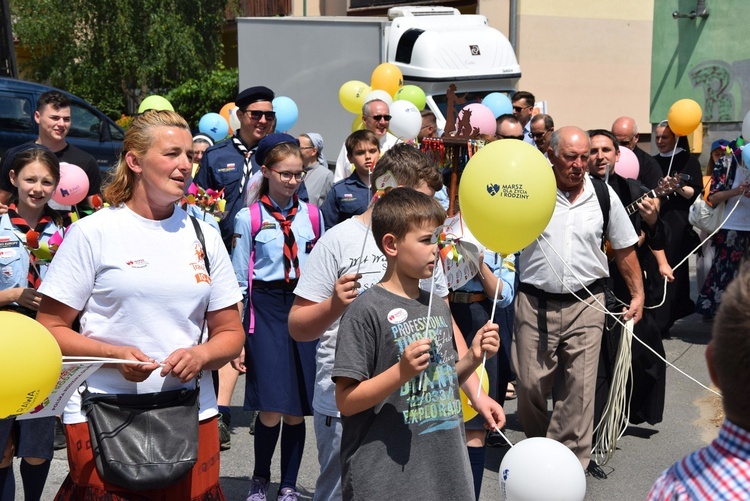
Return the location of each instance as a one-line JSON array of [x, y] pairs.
[[616, 413]]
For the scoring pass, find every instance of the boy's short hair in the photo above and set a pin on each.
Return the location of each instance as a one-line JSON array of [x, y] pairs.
[[409, 166], [53, 98], [401, 210], [360, 136], [730, 354]]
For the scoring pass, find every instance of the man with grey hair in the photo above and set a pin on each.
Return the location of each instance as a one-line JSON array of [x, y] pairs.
[[558, 323], [542, 126], [318, 178], [376, 117], [626, 131]]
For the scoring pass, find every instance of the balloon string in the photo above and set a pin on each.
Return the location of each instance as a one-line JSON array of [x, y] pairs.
[[607, 312], [364, 243], [492, 317], [503, 435], [671, 159], [429, 311]]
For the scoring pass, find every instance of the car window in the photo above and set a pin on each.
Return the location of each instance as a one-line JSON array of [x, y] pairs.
[[115, 134], [83, 123], [15, 114]]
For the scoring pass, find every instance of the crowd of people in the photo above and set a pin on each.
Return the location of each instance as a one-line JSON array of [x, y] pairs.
[[324, 290]]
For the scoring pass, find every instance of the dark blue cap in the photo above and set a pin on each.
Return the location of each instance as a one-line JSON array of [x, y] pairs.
[[719, 143], [253, 95], [270, 142]]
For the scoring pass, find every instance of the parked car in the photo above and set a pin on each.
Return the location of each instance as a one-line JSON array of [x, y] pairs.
[[90, 129]]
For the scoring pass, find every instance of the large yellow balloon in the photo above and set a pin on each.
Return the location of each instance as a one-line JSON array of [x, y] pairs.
[[684, 117], [352, 95], [469, 411], [507, 195], [30, 363], [387, 77]]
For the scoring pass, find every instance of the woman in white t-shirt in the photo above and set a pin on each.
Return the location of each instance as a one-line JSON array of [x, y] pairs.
[[135, 273]]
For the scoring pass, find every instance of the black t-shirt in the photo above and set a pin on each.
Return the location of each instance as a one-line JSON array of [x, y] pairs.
[[69, 154]]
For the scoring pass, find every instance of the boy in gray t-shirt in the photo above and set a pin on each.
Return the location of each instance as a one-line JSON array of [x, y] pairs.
[[396, 371]]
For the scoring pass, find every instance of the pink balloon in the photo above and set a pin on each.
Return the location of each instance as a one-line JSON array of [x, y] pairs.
[[627, 166], [73, 186], [481, 118]]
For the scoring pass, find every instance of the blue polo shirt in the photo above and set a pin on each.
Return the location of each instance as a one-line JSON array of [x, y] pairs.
[[349, 197]]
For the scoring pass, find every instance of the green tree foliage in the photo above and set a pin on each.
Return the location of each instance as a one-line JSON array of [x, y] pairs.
[[109, 51], [198, 96]]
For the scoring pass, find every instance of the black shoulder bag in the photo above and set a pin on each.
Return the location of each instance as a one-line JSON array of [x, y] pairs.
[[133, 435]]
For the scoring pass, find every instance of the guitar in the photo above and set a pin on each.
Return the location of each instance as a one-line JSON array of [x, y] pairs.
[[666, 187]]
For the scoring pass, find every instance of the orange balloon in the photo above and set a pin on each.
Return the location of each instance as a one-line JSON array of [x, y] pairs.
[[387, 77], [225, 113], [684, 117]]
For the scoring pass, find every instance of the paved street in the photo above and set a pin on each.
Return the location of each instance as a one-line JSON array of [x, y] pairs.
[[641, 454]]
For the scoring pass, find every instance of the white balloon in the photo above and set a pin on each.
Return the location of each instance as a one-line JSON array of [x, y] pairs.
[[406, 120], [541, 469], [379, 94], [746, 127], [234, 121]]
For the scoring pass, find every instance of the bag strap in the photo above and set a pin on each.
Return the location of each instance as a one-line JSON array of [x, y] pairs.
[[602, 195], [199, 234]]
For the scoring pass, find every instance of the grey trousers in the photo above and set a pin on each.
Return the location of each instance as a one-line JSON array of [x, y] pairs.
[[563, 362]]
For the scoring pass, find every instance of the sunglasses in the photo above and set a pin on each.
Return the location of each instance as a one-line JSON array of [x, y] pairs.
[[287, 176], [256, 114], [538, 135], [378, 118], [502, 136], [520, 108]]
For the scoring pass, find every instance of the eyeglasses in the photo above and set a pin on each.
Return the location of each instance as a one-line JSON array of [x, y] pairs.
[[306, 147], [287, 176], [256, 114], [378, 118], [502, 136], [625, 142], [538, 135]]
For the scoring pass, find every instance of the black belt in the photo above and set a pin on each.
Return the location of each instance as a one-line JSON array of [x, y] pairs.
[[19, 309], [275, 285], [595, 288]]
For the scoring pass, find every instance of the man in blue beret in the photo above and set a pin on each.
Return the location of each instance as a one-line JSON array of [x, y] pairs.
[[230, 164]]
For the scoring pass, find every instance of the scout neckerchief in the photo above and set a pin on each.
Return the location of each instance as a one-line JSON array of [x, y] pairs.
[[23, 227], [290, 245], [247, 166]]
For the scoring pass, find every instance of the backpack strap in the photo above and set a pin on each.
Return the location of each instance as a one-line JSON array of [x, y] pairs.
[[602, 195], [314, 214], [256, 219]]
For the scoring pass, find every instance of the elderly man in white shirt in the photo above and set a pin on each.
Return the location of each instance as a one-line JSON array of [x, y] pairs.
[[557, 336]]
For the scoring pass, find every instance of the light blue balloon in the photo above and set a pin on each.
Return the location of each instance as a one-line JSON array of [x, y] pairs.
[[746, 155], [214, 125], [499, 103], [286, 113]]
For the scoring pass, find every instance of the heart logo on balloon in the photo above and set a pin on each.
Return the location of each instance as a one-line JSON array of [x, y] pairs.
[[493, 189]]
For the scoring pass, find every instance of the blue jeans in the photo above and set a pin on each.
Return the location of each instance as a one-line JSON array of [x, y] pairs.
[[328, 438]]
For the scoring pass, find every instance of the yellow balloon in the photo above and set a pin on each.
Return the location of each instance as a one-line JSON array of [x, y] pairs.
[[30, 363], [357, 123], [469, 411], [684, 117], [507, 195], [352, 95], [387, 77]]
